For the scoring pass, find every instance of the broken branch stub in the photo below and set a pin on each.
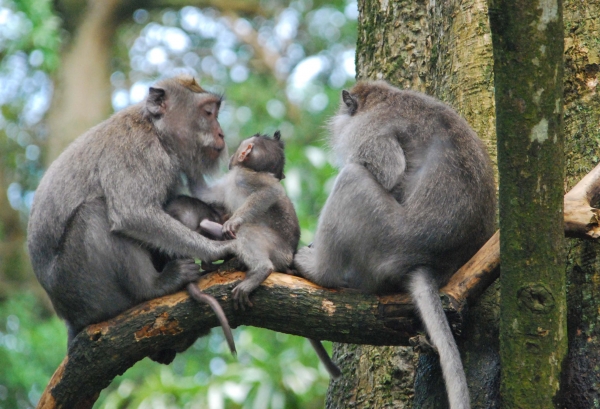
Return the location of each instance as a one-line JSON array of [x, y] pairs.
[[581, 219]]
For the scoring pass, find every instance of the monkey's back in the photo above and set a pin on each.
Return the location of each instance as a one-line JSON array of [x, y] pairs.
[[437, 214], [447, 194], [448, 190], [76, 177]]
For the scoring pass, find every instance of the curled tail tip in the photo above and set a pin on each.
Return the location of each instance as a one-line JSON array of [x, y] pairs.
[[233, 350], [230, 341]]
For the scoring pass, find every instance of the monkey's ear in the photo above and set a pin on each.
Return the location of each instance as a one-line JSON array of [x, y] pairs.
[[277, 135], [350, 102], [155, 103], [245, 153]]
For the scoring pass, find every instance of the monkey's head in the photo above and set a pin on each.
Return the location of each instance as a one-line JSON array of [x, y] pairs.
[[261, 153], [362, 112], [186, 117]]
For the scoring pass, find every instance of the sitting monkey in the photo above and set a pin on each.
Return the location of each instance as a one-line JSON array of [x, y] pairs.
[[98, 213], [414, 200]]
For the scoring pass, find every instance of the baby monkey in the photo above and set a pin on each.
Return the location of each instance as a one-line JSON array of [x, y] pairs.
[[262, 218]]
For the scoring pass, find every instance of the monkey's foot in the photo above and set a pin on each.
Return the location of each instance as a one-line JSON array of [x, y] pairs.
[[292, 272], [180, 272], [241, 296]]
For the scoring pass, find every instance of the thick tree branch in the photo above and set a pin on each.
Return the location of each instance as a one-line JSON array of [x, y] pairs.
[[283, 303]]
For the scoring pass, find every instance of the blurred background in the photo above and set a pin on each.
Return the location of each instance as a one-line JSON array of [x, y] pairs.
[[66, 65]]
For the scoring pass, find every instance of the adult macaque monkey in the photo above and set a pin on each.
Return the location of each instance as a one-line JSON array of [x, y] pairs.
[[413, 201], [98, 211]]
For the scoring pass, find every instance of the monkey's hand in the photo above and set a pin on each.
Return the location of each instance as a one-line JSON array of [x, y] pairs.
[[179, 272], [230, 227]]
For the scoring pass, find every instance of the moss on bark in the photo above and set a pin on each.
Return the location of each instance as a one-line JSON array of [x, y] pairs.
[[581, 376], [528, 69]]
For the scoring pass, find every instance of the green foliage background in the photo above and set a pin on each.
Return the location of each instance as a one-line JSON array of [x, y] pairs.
[[272, 370]]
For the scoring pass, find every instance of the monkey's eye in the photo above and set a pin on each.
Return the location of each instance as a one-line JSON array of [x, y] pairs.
[[208, 113]]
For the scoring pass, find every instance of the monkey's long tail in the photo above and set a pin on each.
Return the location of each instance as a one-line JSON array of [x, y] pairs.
[[331, 367], [216, 307], [427, 301]]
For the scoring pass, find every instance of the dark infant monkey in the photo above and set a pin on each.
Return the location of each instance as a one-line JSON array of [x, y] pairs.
[[414, 200], [98, 211], [191, 211], [262, 217]]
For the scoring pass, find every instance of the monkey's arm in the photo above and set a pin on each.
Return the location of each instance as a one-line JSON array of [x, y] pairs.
[[254, 207], [387, 163], [159, 230], [134, 209]]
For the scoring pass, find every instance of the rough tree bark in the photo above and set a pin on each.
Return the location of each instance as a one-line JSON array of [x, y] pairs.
[[582, 148], [528, 71]]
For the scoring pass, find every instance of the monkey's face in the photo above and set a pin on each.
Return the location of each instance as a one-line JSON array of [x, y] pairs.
[[261, 154], [188, 116], [212, 138]]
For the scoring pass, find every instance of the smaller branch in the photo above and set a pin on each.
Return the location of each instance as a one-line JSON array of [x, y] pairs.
[[581, 219], [472, 279]]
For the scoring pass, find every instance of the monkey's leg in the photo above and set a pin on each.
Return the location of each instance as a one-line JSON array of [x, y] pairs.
[[253, 252], [176, 274]]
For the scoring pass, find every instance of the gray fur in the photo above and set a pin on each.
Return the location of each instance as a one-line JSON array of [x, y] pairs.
[[98, 211], [414, 200], [263, 219]]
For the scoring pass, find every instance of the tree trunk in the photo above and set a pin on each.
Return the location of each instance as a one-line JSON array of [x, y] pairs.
[[82, 95], [528, 71], [443, 49], [582, 116]]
